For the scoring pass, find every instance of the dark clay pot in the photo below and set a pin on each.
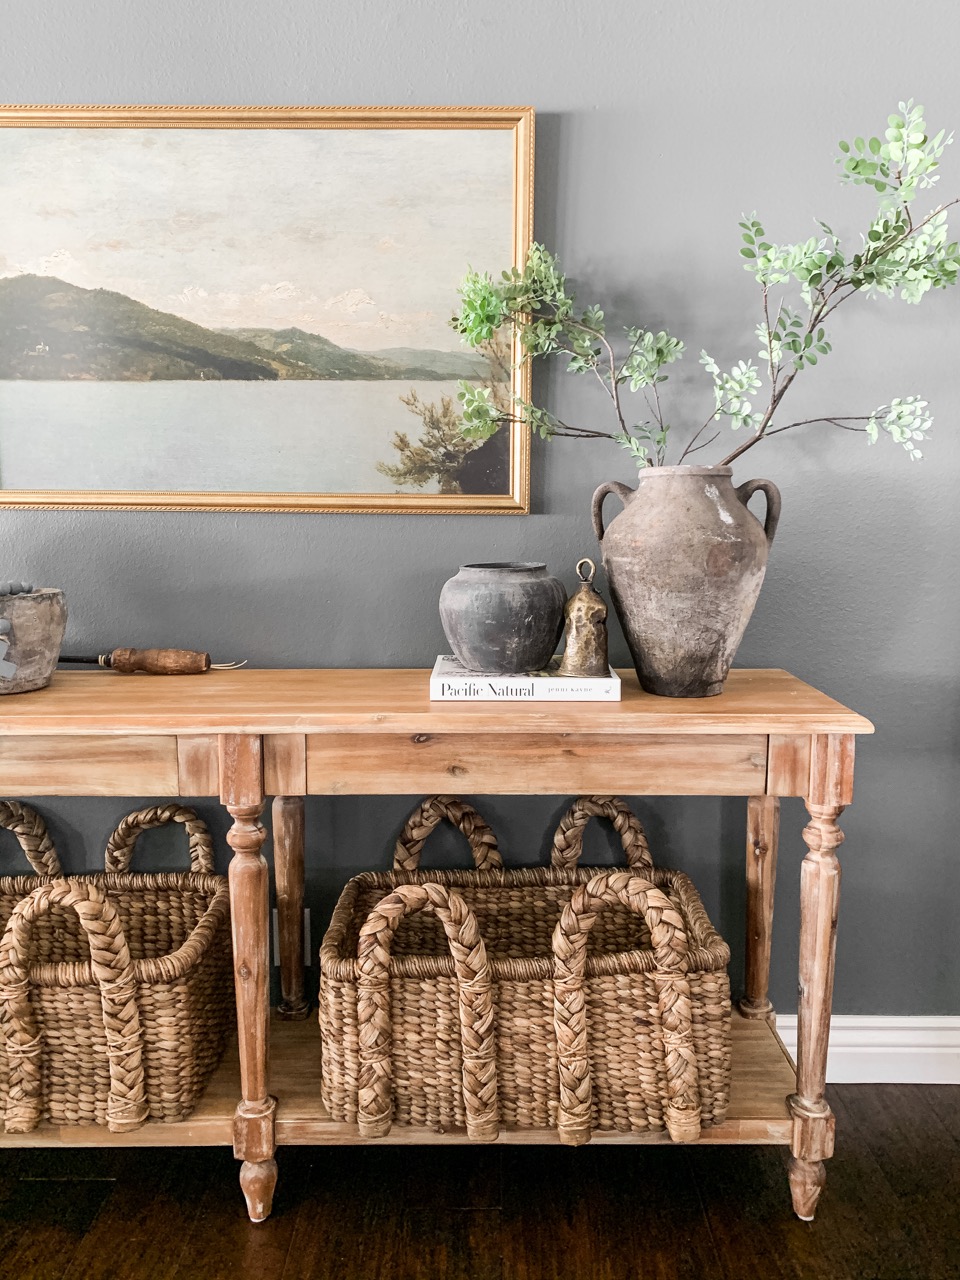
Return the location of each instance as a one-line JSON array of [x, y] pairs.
[[685, 560], [503, 618]]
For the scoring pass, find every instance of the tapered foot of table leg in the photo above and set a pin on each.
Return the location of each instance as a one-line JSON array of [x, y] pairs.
[[258, 1181], [806, 1182], [757, 1009], [293, 1012]]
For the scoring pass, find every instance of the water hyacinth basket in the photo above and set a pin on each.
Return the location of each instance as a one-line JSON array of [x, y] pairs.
[[558, 997], [116, 991]]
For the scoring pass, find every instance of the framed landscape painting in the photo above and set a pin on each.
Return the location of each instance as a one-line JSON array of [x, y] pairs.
[[248, 308]]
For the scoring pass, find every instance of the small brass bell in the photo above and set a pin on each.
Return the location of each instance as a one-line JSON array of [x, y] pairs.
[[585, 651]]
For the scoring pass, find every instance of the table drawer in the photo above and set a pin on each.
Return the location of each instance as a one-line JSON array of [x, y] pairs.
[[536, 763], [88, 765]]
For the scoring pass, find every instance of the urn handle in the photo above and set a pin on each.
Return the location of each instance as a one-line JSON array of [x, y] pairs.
[[746, 491], [623, 492]]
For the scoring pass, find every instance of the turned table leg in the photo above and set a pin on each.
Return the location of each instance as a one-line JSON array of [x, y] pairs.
[[241, 789], [763, 832], [831, 785], [288, 828]]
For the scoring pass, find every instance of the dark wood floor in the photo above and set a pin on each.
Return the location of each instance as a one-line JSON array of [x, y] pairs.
[[891, 1209]]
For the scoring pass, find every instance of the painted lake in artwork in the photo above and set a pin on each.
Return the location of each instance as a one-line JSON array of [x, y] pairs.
[[293, 436]]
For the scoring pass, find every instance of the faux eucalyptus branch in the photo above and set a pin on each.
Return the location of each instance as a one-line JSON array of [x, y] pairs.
[[899, 253]]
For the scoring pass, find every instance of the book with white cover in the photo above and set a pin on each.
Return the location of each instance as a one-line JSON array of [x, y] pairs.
[[450, 681]]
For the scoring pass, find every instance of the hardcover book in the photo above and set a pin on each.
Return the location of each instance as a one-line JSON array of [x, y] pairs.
[[450, 681]]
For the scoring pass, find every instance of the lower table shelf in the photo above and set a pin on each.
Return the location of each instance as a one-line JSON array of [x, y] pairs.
[[763, 1075]]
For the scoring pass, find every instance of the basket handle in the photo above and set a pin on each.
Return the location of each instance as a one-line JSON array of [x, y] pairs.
[[119, 849], [375, 1104], [33, 837], [429, 814], [568, 841], [669, 939], [112, 968]]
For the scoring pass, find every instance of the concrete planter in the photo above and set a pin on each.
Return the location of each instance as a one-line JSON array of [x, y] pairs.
[[37, 621], [685, 560]]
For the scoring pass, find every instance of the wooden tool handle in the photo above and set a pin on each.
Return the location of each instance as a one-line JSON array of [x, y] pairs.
[[160, 662]]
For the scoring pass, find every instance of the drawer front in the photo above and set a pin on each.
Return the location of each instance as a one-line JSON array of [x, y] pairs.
[[536, 763], [88, 765]]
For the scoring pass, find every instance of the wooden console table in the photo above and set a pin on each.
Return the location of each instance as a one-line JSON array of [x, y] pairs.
[[243, 735]]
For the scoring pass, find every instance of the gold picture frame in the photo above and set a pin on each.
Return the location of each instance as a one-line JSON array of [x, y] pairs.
[[100, 204]]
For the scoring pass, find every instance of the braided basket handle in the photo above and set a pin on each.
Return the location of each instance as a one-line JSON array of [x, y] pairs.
[[112, 968], [119, 849], [568, 840], [33, 837], [669, 939], [375, 1103], [429, 814]]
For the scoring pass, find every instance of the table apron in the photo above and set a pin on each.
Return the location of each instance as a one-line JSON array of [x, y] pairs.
[[536, 763], [352, 763], [88, 765]]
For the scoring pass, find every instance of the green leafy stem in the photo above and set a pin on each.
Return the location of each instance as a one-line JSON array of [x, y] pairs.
[[898, 255]]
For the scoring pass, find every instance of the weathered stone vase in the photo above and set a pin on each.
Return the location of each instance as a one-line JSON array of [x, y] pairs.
[[685, 561], [35, 623], [503, 618]]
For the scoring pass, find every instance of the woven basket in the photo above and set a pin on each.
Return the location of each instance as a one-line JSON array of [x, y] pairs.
[[116, 998], [474, 998]]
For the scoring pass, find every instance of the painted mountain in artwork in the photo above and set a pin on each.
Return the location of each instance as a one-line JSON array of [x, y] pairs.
[[441, 364], [52, 330], [327, 360]]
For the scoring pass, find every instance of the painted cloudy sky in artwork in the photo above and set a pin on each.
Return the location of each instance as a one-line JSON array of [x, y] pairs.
[[358, 235]]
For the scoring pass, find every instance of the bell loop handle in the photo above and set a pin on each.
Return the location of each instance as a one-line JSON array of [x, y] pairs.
[[588, 577]]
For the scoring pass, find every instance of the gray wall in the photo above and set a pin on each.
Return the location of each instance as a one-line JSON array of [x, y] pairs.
[[658, 124]]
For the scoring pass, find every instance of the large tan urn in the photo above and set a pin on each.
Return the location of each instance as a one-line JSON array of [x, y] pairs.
[[685, 560]]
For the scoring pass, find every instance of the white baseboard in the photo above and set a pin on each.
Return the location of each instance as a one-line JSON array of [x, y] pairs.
[[886, 1050]]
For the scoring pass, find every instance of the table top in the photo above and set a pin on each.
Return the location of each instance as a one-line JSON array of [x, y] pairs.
[[374, 700]]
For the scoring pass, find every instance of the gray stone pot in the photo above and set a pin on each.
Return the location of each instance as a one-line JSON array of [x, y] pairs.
[[503, 618], [37, 621], [685, 560]]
